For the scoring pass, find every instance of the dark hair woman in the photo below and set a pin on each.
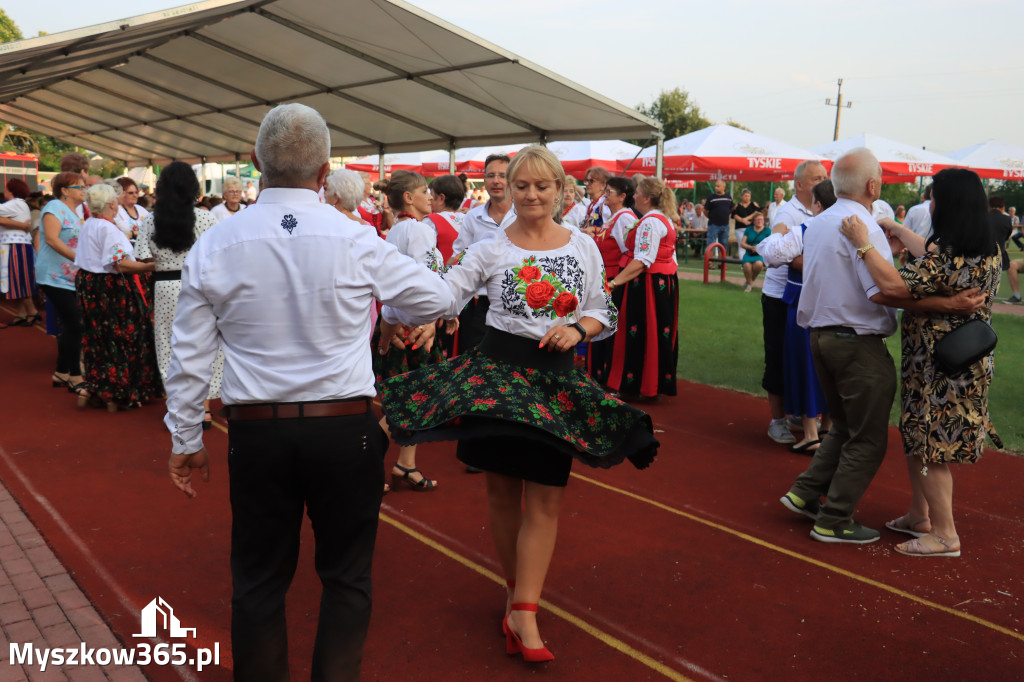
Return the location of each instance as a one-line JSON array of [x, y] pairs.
[[55, 273], [166, 236], [944, 416], [611, 242], [129, 213], [17, 259], [446, 194]]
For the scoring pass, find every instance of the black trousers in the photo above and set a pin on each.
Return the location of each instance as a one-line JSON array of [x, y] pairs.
[[332, 467], [473, 323], [69, 341]]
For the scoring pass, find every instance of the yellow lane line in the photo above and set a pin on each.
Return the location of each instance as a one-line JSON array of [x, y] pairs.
[[815, 562], [591, 630]]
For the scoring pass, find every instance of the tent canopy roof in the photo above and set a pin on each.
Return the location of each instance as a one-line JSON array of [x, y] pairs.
[[195, 81], [992, 159]]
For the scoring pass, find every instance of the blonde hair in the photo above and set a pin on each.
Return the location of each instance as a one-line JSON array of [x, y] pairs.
[[229, 184], [542, 161], [662, 198]]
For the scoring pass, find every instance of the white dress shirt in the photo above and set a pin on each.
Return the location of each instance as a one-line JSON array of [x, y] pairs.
[[919, 219], [773, 209], [881, 209], [286, 288], [220, 211], [837, 284], [496, 266], [792, 214]]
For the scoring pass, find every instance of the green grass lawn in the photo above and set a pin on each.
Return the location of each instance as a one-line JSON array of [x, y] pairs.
[[720, 344]]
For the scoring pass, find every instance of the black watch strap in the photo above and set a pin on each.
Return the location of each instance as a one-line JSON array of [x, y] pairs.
[[580, 328]]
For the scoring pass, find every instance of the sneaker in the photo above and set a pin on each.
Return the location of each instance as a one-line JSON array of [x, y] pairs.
[[795, 422], [855, 534], [780, 433], [808, 508], [1014, 299]]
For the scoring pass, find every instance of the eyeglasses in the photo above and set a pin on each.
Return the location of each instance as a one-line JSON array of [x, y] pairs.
[[589, 181], [134, 193], [76, 186], [494, 176]]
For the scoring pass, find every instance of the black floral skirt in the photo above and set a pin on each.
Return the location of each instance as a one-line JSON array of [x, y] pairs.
[[508, 388], [117, 337], [399, 361], [646, 347]]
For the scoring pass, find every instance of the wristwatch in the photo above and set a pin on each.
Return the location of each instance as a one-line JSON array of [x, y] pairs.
[[862, 251], [580, 328]]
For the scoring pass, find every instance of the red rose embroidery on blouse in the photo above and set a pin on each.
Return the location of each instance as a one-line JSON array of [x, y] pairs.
[[539, 294], [529, 273], [565, 303]]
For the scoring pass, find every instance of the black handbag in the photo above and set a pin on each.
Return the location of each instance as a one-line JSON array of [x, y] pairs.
[[965, 345]]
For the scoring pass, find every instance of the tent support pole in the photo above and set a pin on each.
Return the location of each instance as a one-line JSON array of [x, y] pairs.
[[659, 159]]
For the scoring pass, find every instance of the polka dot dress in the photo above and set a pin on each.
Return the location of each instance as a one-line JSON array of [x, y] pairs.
[[165, 304]]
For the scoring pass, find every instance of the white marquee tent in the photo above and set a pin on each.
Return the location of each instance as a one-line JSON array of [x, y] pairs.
[[992, 159], [193, 83]]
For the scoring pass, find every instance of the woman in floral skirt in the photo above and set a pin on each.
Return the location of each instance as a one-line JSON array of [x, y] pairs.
[[517, 398], [647, 344], [117, 316], [407, 194]]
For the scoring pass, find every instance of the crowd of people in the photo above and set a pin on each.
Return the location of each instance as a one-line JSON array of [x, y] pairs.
[[523, 323]]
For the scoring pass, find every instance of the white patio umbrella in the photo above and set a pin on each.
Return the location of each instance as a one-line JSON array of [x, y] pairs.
[[900, 162], [992, 159], [727, 153]]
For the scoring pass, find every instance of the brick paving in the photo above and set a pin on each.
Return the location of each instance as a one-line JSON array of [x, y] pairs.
[[40, 603]]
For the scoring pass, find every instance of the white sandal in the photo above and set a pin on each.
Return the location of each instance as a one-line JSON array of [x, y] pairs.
[[917, 548]]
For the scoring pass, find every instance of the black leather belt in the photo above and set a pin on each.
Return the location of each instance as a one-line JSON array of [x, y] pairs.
[[166, 275], [331, 408]]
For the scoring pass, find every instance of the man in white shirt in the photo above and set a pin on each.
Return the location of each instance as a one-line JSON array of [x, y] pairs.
[[250, 192], [919, 217], [480, 224], [849, 317], [773, 309], [286, 288], [773, 208]]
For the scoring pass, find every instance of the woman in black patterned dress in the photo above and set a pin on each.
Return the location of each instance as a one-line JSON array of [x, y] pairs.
[[944, 416]]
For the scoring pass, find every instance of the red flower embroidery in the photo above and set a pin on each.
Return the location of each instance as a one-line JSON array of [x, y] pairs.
[[529, 273], [476, 381], [538, 294], [565, 303], [489, 402], [419, 397], [563, 400]]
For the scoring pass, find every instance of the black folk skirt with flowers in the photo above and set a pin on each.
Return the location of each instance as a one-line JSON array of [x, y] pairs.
[[647, 340], [518, 410], [117, 337]]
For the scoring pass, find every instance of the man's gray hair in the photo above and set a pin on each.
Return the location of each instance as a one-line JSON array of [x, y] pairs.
[[98, 197], [852, 170], [801, 169], [347, 185], [292, 145]]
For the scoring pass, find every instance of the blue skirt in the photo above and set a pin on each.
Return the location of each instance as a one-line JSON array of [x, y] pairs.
[[803, 393]]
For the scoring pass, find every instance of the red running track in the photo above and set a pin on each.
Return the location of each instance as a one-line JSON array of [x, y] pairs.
[[688, 570]]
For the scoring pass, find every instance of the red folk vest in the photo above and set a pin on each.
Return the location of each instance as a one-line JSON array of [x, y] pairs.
[[664, 261], [446, 234], [607, 245]]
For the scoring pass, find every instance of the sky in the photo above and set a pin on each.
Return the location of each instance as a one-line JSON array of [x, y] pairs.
[[938, 74]]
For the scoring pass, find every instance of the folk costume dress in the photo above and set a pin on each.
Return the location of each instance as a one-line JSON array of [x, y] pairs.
[[117, 336], [803, 395], [17, 259], [647, 343], [418, 240], [517, 409], [945, 417], [610, 239], [167, 287], [369, 210]]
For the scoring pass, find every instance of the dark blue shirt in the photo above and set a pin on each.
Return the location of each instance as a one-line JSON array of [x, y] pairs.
[[719, 208]]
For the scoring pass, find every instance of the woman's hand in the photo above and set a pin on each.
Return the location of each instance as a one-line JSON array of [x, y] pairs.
[[450, 326], [422, 335], [561, 339], [854, 229]]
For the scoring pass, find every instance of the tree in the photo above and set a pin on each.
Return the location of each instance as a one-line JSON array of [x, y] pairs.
[[8, 29], [902, 194], [676, 112]]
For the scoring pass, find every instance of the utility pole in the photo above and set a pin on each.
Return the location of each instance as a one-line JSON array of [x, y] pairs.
[[839, 107]]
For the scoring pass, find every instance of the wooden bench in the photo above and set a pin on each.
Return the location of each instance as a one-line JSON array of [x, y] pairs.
[[710, 257]]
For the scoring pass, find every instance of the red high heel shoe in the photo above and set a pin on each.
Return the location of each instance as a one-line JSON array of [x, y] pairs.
[[510, 584], [514, 645]]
